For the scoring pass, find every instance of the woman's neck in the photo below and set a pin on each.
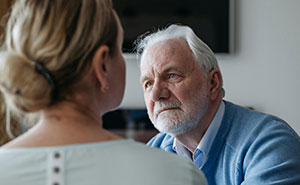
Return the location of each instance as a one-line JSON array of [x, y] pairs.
[[67, 112], [63, 124]]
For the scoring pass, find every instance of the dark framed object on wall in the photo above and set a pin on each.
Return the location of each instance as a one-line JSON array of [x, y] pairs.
[[211, 20]]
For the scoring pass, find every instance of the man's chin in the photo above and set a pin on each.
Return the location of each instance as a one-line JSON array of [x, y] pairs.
[[172, 130]]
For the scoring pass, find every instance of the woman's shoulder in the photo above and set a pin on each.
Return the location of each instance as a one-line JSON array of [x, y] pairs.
[[158, 166], [124, 150], [132, 162]]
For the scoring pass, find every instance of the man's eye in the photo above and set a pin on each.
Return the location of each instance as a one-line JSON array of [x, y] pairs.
[[148, 84], [172, 75]]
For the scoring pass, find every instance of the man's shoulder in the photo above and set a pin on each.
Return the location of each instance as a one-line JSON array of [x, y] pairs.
[[250, 126], [251, 118], [163, 141]]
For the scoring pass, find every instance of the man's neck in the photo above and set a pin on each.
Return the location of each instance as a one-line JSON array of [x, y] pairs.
[[191, 139]]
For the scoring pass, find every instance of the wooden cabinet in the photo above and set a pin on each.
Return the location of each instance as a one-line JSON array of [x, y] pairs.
[[130, 123]]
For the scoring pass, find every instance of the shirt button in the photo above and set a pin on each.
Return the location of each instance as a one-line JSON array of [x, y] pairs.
[[56, 169], [56, 155]]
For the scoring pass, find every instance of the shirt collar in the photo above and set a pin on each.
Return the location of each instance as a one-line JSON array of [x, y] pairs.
[[208, 138]]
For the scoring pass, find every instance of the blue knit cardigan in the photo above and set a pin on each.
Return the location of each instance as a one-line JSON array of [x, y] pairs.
[[250, 148]]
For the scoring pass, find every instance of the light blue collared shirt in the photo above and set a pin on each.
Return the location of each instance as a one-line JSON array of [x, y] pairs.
[[203, 148]]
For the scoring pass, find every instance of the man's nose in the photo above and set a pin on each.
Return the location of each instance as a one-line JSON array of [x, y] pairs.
[[159, 91]]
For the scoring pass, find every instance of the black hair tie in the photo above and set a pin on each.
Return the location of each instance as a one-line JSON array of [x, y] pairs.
[[41, 69]]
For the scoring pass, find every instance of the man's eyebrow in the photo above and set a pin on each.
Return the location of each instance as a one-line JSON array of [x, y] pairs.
[[143, 79], [171, 68], [166, 70]]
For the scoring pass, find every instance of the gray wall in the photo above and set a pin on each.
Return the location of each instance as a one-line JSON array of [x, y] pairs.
[[264, 70]]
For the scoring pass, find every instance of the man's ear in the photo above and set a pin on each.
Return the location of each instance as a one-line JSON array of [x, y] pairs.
[[100, 64], [215, 83]]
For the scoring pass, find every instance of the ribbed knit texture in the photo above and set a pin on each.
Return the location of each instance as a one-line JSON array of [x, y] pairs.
[[250, 148]]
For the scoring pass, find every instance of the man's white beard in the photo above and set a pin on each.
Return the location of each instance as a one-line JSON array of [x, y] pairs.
[[177, 121]]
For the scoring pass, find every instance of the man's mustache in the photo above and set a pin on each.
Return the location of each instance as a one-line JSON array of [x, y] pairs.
[[163, 106]]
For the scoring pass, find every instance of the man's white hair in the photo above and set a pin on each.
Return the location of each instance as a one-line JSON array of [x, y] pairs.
[[203, 55]]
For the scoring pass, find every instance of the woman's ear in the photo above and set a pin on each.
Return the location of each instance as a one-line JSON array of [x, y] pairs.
[[215, 83], [100, 64]]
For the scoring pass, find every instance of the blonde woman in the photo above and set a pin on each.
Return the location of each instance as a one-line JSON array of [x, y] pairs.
[[63, 60]]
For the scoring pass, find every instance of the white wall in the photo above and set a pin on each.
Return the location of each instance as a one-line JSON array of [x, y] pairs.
[[264, 70]]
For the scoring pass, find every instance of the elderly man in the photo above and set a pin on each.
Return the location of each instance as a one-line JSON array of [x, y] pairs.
[[184, 97]]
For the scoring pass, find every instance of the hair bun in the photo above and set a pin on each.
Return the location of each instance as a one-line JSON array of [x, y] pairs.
[[23, 87]]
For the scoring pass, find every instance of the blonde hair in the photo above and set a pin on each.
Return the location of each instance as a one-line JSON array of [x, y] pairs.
[[48, 48], [13, 129]]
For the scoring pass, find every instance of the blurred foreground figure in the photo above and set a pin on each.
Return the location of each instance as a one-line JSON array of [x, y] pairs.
[[63, 60]]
